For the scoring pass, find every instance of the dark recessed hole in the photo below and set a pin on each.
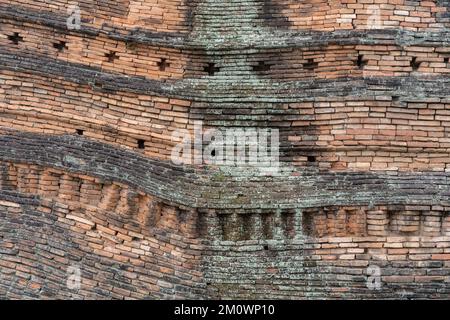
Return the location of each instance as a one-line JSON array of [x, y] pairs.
[[60, 46], [361, 63], [15, 38], [262, 66], [395, 98], [131, 45], [111, 56], [141, 144], [310, 65], [446, 60], [414, 64], [213, 153], [80, 132], [134, 239], [163, 64], [311, 159], [211, 69], [266, 247]]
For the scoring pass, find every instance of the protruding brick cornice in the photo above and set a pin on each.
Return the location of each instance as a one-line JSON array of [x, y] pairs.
[[212, 188], [272, 39]]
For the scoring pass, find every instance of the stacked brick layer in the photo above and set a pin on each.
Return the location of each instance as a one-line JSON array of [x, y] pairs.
[[86, 123]]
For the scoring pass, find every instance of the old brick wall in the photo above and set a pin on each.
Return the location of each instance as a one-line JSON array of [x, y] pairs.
[[126, 243], [359, 92], [326, 252]]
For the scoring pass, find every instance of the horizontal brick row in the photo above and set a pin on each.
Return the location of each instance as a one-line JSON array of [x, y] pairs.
[[155, 15]]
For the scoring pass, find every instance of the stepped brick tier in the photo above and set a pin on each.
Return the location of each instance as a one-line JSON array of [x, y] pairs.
[[86, 122]]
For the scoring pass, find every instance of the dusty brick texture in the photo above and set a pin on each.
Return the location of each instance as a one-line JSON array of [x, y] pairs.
[[86, 123]]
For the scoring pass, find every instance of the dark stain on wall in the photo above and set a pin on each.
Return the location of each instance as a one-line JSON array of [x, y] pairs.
[[272, 14]]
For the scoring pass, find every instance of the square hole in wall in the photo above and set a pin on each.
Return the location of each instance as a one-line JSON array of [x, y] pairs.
[[163, 64], [211, 69], [111, 56], [415, 65], [262, 67], [310, 64], [311, 159], [361, 62], [60, 46]]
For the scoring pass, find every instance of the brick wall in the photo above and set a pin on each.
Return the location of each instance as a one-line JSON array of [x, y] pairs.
[[126, 243], [377, 134], [87, 115], [337, 268]]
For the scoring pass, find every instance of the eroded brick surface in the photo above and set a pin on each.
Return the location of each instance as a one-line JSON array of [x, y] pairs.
[[87, 185]]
